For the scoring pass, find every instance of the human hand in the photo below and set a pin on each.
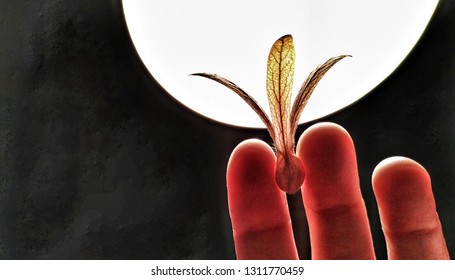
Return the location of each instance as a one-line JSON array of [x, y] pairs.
[[336, 213]]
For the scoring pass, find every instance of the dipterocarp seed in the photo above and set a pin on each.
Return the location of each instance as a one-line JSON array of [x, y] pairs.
[[282, 126]]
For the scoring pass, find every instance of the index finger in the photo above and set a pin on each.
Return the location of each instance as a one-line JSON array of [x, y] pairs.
[[260, 218]]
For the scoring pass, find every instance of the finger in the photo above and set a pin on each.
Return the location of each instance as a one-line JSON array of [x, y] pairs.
[[408, 211], [258, 208], [337, 219]]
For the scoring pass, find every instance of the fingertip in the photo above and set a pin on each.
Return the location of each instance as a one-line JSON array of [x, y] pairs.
[[321, 131], [400, 176], [250, 147], [329, 160], [395, 165], [326, 145], [250, 162]]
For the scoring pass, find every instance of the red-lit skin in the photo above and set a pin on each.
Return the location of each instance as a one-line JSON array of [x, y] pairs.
[[336, 213]]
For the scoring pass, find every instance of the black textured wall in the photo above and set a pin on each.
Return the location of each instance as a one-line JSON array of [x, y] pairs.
[[98, 162]]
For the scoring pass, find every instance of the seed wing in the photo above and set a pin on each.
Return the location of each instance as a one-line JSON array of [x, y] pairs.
[[244, 95], [280, 76], [307, 89]]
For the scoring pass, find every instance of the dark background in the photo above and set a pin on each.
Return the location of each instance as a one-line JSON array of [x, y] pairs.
[[98, 162]]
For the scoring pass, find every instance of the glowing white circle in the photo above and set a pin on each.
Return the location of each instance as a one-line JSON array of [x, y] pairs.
[[175, 38]]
